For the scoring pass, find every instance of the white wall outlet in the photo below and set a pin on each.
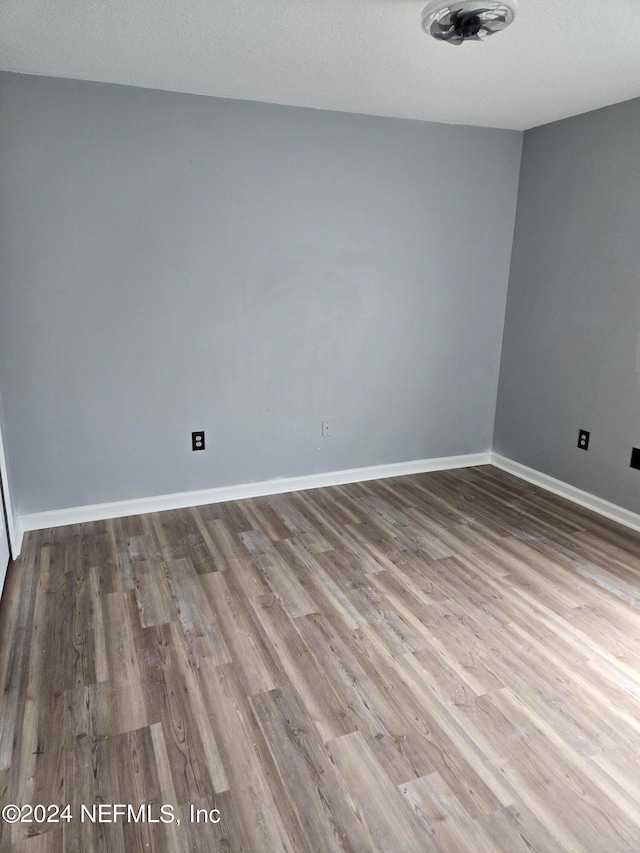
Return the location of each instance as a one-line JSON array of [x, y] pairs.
[[326, 428]]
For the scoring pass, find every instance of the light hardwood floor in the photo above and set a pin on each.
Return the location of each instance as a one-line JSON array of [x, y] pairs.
[[445, 662]]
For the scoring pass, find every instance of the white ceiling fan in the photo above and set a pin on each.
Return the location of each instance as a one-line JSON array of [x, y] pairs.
[[467, 20]]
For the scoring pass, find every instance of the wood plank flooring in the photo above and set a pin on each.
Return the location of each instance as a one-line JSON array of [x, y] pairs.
[[441, 662]]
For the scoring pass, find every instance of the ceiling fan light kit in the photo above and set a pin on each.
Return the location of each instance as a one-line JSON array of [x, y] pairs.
[[458, 21]]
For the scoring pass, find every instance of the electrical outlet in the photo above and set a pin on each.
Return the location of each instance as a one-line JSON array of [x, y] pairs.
[[635, 457], [326, 428], [197, 440], [583, 439]]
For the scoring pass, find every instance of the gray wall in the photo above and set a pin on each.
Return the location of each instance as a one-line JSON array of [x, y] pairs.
[[571, 354], [174, 262]]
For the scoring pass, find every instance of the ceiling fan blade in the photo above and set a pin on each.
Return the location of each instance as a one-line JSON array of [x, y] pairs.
[[493, 27], [451, 37], [466, 17], [494, 18]]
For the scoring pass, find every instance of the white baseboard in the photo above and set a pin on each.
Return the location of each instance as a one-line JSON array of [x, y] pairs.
[[16, 535], [578, 496], [159, 503]]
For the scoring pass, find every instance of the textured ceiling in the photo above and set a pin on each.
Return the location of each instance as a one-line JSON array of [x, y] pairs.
[[559, 58]]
